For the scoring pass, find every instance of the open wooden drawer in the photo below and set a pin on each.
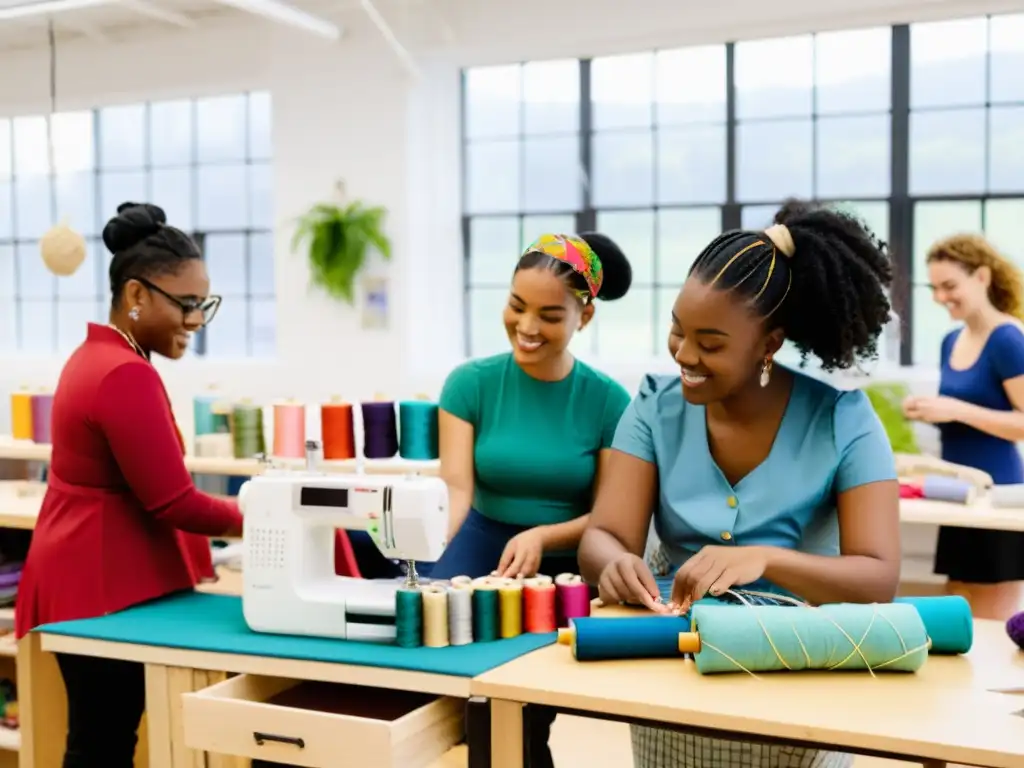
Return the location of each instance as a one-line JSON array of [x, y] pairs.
[[321, 725]]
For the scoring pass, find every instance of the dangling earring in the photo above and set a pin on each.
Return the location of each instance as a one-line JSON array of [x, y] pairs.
[[134, 313], [766, 372]]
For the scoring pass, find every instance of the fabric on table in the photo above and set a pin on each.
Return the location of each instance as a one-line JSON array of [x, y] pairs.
[[203, 622]]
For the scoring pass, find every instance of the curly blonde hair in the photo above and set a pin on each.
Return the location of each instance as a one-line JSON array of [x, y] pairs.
[[1006, 291]]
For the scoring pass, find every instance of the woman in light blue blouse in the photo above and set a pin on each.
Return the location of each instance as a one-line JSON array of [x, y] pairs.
[[757, 476]]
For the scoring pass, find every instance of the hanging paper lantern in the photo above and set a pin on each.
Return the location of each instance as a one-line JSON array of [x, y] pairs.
[[63, 250]]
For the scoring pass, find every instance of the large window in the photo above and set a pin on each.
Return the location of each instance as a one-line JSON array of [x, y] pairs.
[[919, 130], [966, 157], [207, 162]]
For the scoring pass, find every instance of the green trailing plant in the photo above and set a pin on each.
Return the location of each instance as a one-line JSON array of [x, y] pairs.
[[339, 238]]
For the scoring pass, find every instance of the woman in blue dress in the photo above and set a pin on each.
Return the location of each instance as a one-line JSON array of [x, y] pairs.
[[979, 411], [757, 476]]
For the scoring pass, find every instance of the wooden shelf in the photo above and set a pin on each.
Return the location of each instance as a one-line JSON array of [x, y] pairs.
[[22, 450]]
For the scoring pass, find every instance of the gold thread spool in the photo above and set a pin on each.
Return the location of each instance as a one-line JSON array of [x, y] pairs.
[[21, 414], [435, 617], [510, 593]]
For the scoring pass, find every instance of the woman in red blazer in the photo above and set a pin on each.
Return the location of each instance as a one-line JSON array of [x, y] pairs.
[[122, 521]]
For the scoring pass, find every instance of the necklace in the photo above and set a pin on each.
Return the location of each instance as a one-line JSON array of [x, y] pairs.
[[129, 339]]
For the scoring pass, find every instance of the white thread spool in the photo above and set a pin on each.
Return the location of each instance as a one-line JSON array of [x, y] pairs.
[[460, 614]]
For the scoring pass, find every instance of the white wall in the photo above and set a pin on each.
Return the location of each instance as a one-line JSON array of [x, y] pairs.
[[351, 111]]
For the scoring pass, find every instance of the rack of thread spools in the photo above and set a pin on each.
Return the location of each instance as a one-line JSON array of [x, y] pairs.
[[464, 610], [378, 429], [31, 415]]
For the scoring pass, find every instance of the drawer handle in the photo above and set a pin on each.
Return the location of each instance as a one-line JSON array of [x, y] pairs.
[[263, 738]]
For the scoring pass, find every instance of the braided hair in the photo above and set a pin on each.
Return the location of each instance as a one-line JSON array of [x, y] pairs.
[[829, 297], [144, 246]]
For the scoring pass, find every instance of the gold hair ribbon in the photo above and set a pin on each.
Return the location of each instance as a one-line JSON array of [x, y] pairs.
[[780, 235]]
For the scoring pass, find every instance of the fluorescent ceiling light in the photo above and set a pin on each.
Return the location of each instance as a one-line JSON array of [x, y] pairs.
[[284, 13]]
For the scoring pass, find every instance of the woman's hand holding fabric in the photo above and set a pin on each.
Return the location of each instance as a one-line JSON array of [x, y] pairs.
[[714, 570], [627, 579]]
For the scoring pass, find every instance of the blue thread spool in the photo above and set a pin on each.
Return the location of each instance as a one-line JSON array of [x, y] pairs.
[[643, 637], [208, 421], [947, 620], [417, 430], [887, 637], [951, 489]]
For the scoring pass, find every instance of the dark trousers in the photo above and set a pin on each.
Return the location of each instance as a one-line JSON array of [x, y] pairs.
[[106, 699]]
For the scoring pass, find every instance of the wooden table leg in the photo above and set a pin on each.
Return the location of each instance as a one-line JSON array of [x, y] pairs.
[[506, 734], [42, 706], [165, 729]]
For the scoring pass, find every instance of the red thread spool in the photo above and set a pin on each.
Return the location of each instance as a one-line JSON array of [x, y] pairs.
[[337, 430], [573, 598], [539, 605]]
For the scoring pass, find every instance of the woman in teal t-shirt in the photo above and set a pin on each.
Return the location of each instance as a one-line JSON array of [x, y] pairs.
[[524, 434], [757, 476]]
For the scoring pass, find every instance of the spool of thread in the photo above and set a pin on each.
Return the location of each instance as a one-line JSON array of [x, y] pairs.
[[380, 430], [435, 616], [21, 415], [539, 614], [639, 637], [42, 409], [510, 594], [951, 489], [1007, 496], [1015, 629], [247, 430], [486, 612], [409, 617], [418, 433], [289, 430], [947, 620], [208, 420], [573, 600], [215, 446], [887, 637], [460, 613], [337, 430]]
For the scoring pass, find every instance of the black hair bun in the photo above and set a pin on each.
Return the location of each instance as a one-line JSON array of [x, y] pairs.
[[133, 224], [793, 209], [618, 274]]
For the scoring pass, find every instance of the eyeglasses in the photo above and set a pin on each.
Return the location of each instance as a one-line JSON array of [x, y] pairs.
[[188, 306]]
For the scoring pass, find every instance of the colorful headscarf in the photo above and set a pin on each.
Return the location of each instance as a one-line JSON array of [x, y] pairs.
[[577, 253]]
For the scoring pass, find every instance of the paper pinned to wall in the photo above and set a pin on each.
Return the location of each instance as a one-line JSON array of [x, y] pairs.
[[376, 300]]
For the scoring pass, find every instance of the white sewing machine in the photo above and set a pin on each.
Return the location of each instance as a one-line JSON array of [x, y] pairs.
[[289, 583]]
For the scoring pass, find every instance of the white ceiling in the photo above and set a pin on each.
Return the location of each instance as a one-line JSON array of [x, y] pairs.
[[23, 23]]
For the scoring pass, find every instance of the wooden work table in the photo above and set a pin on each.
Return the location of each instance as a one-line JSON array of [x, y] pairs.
[[171, 674], [949, 711]]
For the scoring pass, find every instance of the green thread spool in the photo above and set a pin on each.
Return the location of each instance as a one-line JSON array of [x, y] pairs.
[[247, 431], [417, 430], [409, 618], [486, 612]]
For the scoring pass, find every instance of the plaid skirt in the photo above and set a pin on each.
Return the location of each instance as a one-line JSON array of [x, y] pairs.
[[659, 748]]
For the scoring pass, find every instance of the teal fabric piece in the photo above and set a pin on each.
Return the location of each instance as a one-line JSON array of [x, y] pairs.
[[202, 622]]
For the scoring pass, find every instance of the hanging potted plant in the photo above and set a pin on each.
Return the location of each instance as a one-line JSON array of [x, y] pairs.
[[339, 237]]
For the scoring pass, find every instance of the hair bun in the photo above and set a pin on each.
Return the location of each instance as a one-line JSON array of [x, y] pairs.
[[133, 224], [793, 209], [618, 274]]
